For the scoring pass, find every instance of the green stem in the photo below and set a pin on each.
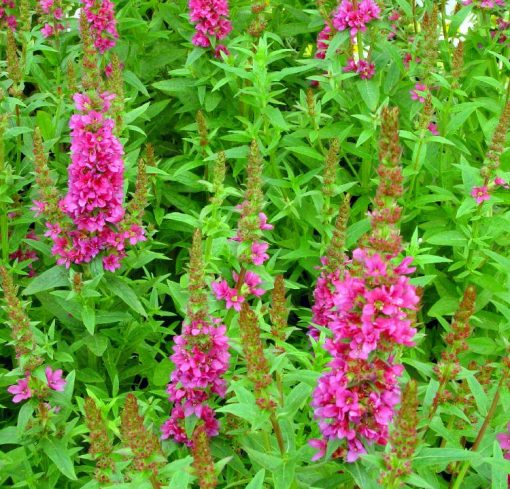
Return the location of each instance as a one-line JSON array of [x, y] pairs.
[[278, 432], [443, 22]]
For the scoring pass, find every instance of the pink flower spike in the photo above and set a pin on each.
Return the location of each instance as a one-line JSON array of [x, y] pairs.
[[258, 253], [55, 380], [480, 194], [20, 390]]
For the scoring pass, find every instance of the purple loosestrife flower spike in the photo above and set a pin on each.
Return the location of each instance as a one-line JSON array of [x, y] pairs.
[[100, 15], [211, 21], [448, 368], [200, 356], [369, 308], [355, 15]]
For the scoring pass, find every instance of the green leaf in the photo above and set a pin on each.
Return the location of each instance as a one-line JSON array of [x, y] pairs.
[[258, 480], [56, 276], [135, 113], [447, 238], [125, 293], [440, 456], [88, 316], [58, 454], [97, 344], [369, 91]]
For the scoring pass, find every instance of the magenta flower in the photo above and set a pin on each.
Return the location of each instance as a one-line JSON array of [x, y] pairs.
[[366, 308], [221, 289], [323, 39], [54, 379], [419, 92], [504, 442], [264, 226], [101, 17], [501, 182], [201, 358], [347, 16], [211, 20], [480, 194], [258, 253], [219, 49], [234, 300], [363, 68], [20, 390], [432, 127]]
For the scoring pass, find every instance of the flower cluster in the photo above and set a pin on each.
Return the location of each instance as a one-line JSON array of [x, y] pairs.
[[323, 39], [486, 4], [355, 17], [419, 92], [201, 358], [95, 194], [363, 68], [53, 13], [211, 20], [368, 304], [25, 387], [371, 302], [100, 15], [9, 19]]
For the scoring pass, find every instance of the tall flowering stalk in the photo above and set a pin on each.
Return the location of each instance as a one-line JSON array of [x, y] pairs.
[[258, 367], [202, 459], [211, 21], [31, 385], [200, 356], [147, 455], [333, 263], [94, 202], [448, 368], [403, 440], [372, 306], [100, 444], [252, 249], [100, 15]]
